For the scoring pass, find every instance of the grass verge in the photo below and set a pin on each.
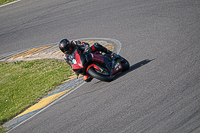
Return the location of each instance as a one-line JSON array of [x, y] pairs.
[[5, 1], [22, 84]]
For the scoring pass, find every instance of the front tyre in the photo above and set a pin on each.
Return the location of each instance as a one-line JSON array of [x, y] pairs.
[[99, 76], [125, 64]]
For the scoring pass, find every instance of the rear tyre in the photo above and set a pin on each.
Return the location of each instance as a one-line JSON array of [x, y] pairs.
[[99, 76]]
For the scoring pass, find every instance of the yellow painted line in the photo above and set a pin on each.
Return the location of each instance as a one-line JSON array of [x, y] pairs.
[[31, 51], [59, 51], [91, 42], [72, 77], [42, 103], [37, 50], [110, 46], [23, 53], [87, 41]]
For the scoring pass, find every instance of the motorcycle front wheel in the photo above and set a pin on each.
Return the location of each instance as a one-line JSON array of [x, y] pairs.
[[92, 71], [125, 64]]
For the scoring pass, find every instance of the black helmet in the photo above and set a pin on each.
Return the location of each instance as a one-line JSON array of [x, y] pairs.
[[65, 46]]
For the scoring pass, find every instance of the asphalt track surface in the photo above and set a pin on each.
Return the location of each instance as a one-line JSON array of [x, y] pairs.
[[160, 38]]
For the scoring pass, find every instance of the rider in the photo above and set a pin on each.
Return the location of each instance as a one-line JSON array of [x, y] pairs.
[[68, 47]]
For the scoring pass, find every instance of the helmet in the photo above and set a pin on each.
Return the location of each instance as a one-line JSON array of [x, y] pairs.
[[65, 46]]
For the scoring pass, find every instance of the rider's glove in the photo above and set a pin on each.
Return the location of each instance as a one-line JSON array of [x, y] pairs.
[[76, 42], [112, 55], [87, 50]]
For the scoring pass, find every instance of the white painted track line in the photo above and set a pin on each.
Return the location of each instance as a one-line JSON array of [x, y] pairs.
[[9, 3]]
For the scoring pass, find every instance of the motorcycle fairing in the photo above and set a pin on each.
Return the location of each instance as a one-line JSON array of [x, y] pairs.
[[94, 66], [78, 62]]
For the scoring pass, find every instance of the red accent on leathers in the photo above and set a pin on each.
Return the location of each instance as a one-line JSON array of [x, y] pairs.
[[97, 58], [93, 48]]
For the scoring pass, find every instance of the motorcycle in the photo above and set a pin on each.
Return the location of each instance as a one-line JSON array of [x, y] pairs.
[[98, 65]]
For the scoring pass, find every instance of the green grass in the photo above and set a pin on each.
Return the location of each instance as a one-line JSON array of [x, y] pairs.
[[2, 129], [23, 83], [5, 1]]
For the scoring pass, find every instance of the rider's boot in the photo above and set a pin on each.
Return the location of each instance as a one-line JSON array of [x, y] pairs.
[[87, 78]]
